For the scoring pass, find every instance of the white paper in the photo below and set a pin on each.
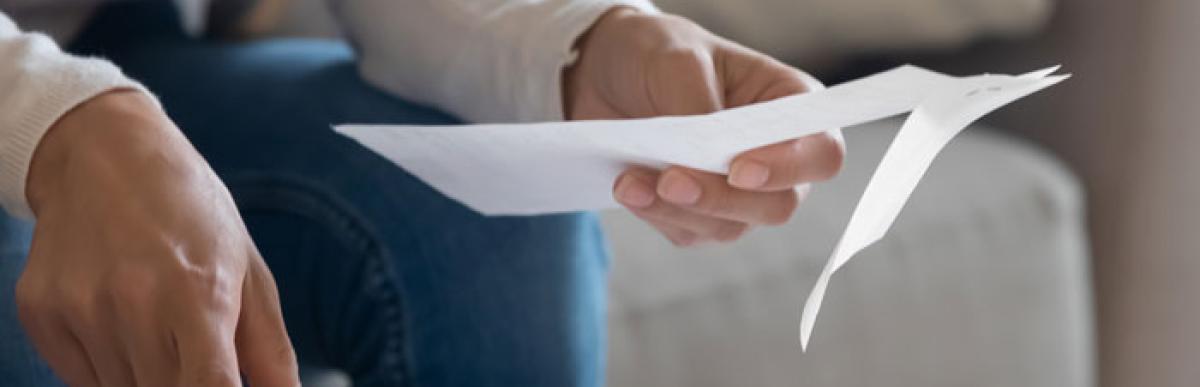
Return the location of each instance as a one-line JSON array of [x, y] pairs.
[[527, 169], [928, 129]]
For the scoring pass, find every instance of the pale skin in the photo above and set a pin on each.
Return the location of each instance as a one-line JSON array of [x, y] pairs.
[[141, 272], [636, 65]]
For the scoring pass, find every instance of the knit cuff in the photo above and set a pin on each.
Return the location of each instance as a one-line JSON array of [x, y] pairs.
[[41, 85], [563, 30]]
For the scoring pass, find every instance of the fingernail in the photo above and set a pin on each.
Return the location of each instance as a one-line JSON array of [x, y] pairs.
[[748, 174], [634, 193], [678, 188]]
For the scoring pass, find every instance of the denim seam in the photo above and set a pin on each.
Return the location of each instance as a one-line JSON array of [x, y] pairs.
[[320, 205]]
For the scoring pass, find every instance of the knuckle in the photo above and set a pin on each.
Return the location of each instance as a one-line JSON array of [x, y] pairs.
[[80, 300], [656, 210], [29, 298], [211, 288], [218, 302], [718, 201], [26, 289], [73, 302]]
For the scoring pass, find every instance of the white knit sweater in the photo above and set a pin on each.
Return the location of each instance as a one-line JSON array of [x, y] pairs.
[[483, 60]]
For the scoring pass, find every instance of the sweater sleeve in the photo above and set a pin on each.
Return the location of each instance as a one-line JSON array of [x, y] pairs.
[[38, 84], [482, 60]]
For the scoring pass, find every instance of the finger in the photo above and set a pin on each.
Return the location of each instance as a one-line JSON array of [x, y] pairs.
[[701, 226], [635, 187], [709, 194], [50, 335], [104, 350], [678, 236], [263, 346], [640, 182], [62, 351], [108, 358], [751, 77], [782, 80], [686, 84], [635, 190], [136, 308], [150, 355], [783, 165], [204, 338]]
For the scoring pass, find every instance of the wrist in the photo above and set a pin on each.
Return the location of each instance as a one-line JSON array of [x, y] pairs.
[[615, 15], [115, 138]]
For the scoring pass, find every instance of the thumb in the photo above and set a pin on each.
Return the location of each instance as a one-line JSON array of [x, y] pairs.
[[264, 350], [753, 77], [684, 82]]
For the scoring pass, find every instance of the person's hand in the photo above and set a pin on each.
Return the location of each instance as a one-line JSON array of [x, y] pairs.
[[141, 272], [635, 65]]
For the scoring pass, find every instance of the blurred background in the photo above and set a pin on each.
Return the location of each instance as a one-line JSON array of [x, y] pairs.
[[1052, 245]]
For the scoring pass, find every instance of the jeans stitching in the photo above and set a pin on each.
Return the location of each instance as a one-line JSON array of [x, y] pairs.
[[318, 204]]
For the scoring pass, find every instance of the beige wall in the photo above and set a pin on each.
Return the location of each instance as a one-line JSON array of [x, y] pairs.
[[1153, 276], [1129, 124]]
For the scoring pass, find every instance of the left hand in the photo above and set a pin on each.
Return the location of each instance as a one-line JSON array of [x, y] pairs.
[[635, 65]]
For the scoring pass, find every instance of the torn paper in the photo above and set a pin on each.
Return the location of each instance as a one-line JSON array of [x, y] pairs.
[[528, 169], [926, 131]]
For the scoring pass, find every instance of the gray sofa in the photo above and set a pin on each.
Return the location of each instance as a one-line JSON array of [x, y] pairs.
[[983, 281]]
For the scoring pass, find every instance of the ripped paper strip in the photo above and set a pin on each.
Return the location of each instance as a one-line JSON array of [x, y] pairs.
[[553, 167]]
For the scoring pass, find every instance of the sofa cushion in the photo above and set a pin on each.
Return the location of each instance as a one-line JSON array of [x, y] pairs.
[[800, 30], [983, 281]]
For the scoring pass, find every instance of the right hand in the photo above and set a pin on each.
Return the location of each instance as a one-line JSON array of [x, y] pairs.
[[634, 65], [141, 272]]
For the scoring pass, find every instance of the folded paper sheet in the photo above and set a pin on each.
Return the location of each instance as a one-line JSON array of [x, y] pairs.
[[526, 169]]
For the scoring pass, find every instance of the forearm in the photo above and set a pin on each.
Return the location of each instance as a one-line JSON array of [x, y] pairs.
[[40, 84], [484, 61]]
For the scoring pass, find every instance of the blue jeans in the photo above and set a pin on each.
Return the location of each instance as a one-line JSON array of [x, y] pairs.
[[380, 276]]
